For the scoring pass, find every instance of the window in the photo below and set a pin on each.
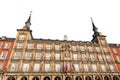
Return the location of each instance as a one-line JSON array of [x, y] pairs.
[[3, 55], [19, 45], [85, 67], [47, 67], [84, 57], [36, 67], [57, 47], [25, 67], [94, 67], [38, 56], [75, 56], [103, 67], [28, 55], [82, 48], [90, 48], [74, 48], [57, 67], [118, 58], [14, 67], [30, 46], [100, 57], [7, 45], [48, 46], [105, 49], [108, 57], [114, 51], [98, 49], [48, 56], [76, 67], [57, 56], [21, 37], [92, 57], [39, 46], [1, 65], [111, 67], [17, 55]]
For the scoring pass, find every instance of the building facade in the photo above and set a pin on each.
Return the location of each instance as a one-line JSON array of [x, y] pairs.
[[46, 59]]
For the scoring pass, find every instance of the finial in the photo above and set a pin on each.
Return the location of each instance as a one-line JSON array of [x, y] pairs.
[[30, 13]]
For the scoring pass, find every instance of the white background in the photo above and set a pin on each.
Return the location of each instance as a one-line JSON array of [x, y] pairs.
[[52, 19]]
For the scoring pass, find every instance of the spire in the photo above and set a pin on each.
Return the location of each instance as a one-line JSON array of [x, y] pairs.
[[28, 23], [29, 19], [95, 29]]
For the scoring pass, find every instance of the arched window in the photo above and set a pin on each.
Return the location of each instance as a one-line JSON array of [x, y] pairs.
[[78, 78], [88, 78], [24, 78], [97, 78], [57, 78], [68, 78], [11, 78], [46, 78], [115, 78], [35, 78], [106, 78]]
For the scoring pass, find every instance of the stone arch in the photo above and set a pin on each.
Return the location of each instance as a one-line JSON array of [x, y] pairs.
[[88, 78], [24, 78], [57, 78], [68, 78], [115, 78], [106, 78], [11, 78], [46, 78], [97, 78], [78, 78], [35, 78]]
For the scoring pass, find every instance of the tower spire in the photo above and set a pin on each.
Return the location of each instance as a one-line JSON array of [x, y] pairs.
[[29, 19], [95, 29], [28, 22]]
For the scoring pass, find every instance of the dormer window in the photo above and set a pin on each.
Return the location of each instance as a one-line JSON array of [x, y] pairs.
[[21, 37]]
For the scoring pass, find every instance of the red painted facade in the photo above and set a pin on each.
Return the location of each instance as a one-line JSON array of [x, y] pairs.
[[116, 54], [6, 46]]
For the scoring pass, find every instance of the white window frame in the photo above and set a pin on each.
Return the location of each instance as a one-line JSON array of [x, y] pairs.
[[57, 47], [28, 55], [103, 67], [114, 50], [112, 67], [48, 56], [14, 67], [30, 46], [84, 56], [3, 55], [90, 48], [36, 67], [76, 67], [82, 48], [25, 67], [47, 67], [17, 55], [21, 37], [38, 56], [48, 46], [74, 48], [97, 49], [57, 56], [19, 45], [7, 45], [94, 67], [118, 58], [39, 46], [57, 67], [1, 65], [100, 57], [75, 56], [86, 68]]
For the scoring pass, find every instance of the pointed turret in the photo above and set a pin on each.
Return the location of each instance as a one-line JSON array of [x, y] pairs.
[[95, 30], [28, 23]]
